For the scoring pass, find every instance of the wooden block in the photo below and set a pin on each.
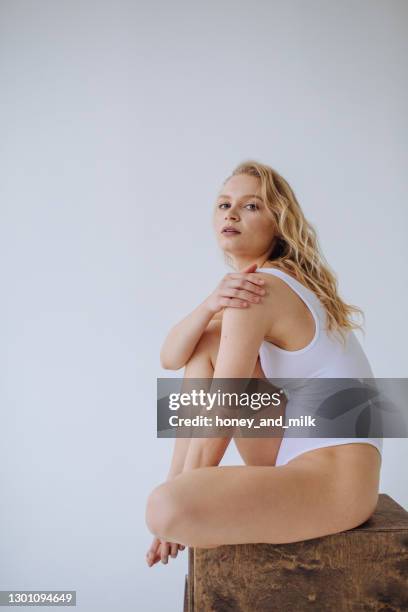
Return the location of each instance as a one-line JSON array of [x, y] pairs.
[[186, 604], [363, 569]]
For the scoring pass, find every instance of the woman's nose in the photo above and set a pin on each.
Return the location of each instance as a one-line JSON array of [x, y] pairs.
[[230, 214]]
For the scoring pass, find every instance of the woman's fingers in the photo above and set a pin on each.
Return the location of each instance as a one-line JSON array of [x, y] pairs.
[[164, 551], [255, 287], [227, 302], [174, 550], [152, 555], [253, 278], [248, 285], [241, 289], [243, 294]]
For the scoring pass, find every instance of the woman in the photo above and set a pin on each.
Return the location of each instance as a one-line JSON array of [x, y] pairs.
[[285, 320]]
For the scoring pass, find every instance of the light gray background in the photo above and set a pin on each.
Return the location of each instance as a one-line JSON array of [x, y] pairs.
[[119, 121]]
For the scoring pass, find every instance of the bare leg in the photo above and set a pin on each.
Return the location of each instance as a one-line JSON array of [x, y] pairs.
[[199, 366], [318, 493], [253, 451], [310, 497]]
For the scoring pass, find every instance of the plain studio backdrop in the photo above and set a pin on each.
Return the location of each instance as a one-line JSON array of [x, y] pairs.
[[119, 121]]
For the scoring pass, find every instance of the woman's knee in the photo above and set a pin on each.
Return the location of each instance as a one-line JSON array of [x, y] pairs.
[[209, 342], [166, 511], [159, 511]]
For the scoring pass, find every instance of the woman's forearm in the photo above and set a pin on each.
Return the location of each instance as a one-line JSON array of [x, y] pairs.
[[183, 337]]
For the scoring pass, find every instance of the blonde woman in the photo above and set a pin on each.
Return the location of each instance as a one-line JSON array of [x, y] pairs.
[[278, 315]]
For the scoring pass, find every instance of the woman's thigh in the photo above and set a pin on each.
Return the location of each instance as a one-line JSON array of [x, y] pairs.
[[306, 498]]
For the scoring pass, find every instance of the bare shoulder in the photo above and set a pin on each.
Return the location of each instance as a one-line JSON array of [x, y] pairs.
[[275, 283], [270, 308], [275, 288], [279, 295], [278, 303], [283, 300]]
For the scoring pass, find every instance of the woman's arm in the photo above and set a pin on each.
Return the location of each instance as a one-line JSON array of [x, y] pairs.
[[236, 290], [183, 337]]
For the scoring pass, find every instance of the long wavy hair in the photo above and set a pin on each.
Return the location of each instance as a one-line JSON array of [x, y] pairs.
[[296, 248]]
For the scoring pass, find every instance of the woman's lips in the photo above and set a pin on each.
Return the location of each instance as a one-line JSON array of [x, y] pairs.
[[228, 232]]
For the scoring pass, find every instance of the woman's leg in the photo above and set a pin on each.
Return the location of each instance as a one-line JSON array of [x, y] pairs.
[[199, 366], [253, 451], [313, 495]]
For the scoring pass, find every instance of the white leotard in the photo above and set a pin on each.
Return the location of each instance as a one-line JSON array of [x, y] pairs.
[[324, 357]]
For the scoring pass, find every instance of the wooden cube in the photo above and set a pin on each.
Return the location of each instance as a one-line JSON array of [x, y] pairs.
[[362, 569]]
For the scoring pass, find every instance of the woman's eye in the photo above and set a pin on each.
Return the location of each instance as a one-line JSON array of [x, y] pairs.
[[252, 204]]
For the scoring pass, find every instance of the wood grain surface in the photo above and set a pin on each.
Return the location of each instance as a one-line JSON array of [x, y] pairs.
[[363, 569]]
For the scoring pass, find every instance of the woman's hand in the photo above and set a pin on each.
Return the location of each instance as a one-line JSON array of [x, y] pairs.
[[236, 289], [160, 551]]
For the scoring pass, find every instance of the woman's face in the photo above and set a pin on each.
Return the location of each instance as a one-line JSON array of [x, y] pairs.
[[239, 206]]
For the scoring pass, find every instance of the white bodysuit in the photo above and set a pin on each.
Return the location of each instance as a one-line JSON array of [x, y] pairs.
[[324, 357]]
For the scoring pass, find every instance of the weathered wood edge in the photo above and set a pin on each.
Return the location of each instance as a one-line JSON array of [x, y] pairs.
[[191, 579]]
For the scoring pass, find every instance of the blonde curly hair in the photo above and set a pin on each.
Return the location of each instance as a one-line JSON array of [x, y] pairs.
[[296, 249]]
